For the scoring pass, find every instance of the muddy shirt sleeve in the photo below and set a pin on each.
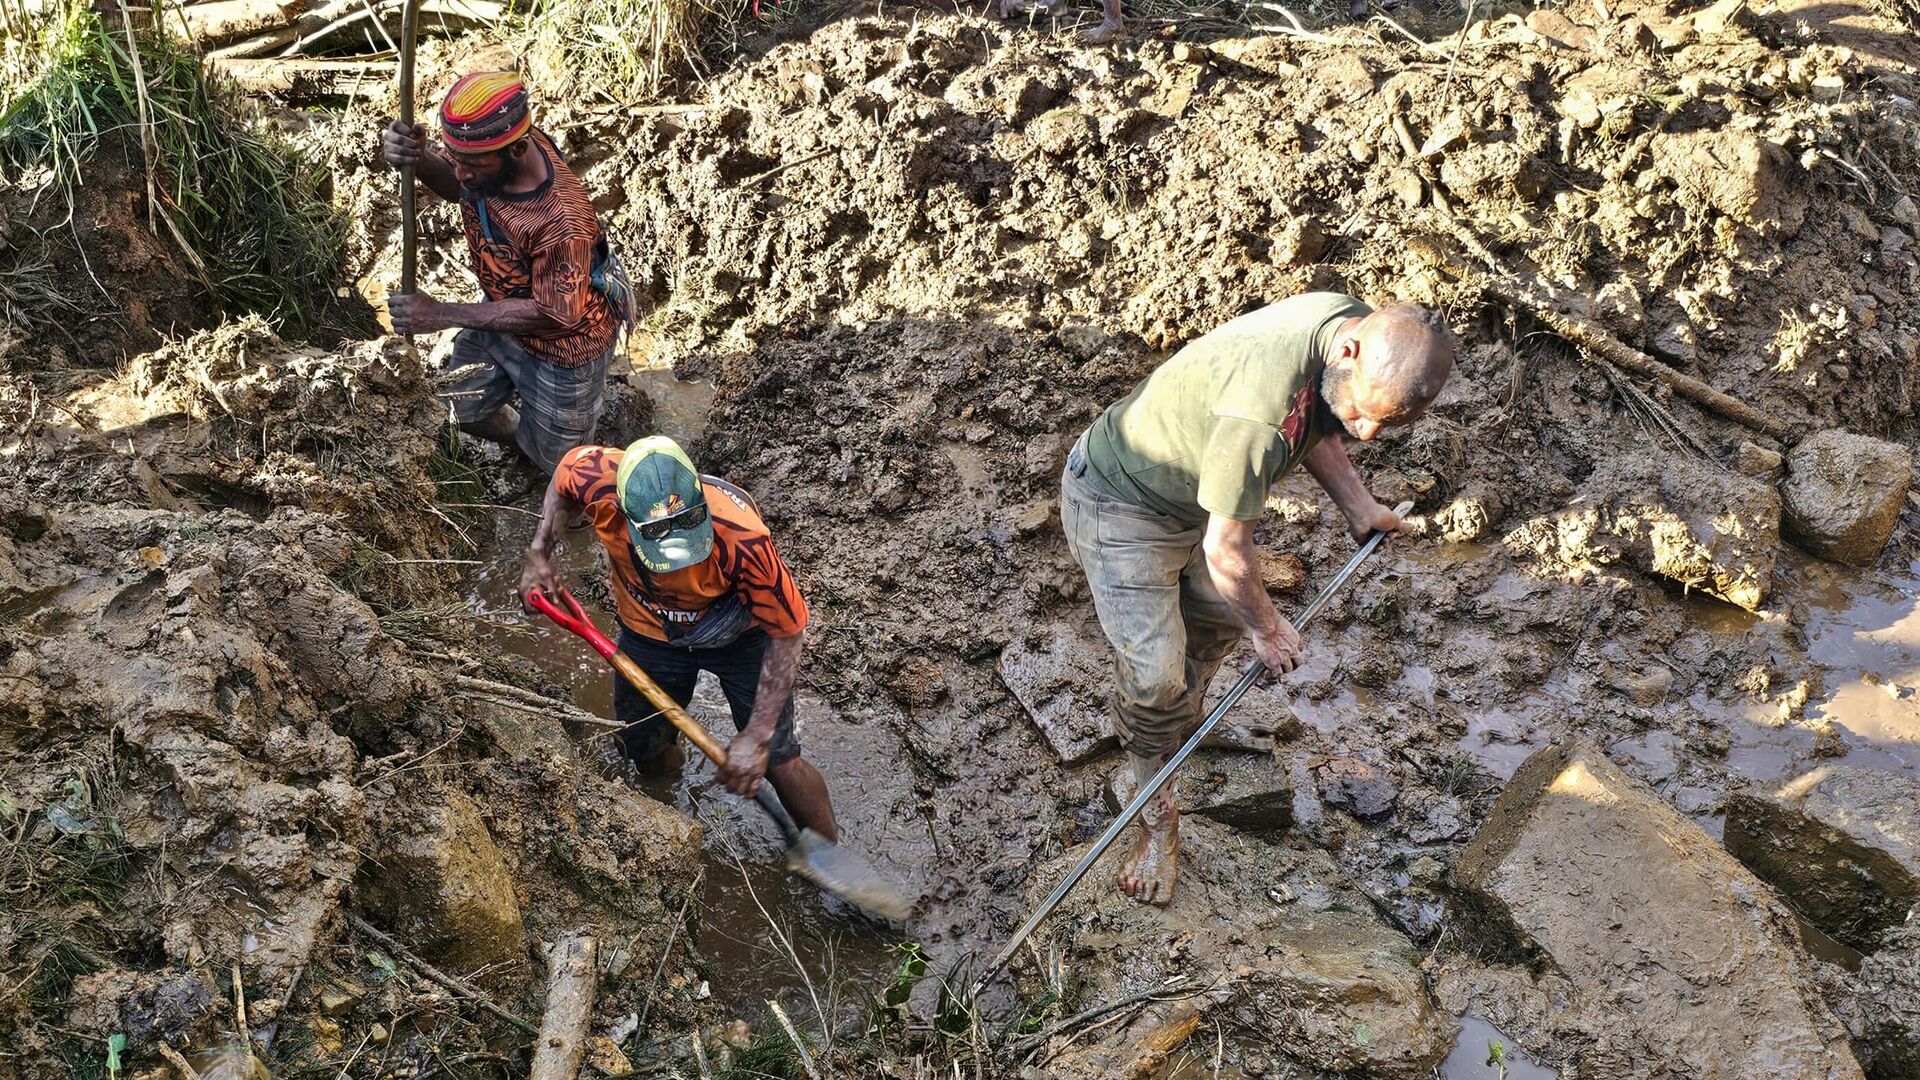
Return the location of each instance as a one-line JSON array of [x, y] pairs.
[[1241, 458], [767, 586], [587, 474], [562, 269]]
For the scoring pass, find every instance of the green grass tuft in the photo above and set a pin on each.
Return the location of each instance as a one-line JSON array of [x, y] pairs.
[[251, 215]]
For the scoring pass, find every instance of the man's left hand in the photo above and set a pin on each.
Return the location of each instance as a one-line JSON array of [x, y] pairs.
[[1378, 516], [416, 313], [746, 764]]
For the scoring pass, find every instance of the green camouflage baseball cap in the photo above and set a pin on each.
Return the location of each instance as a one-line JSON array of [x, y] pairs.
[[656, 481]]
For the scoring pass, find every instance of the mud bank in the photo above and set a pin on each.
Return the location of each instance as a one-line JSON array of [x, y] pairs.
[[913, 255]]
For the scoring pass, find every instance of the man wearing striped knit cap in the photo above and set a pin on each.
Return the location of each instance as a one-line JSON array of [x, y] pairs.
[[556, 298]]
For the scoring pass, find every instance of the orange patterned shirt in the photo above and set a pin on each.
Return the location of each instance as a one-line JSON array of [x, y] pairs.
[[540, 246], [744, 560]]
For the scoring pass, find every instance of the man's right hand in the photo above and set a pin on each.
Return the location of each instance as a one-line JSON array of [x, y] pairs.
[[537, 573], [402, 144], [1280, 650]]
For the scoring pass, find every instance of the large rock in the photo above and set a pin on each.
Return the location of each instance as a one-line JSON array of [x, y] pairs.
[[1060, 679], [1733, 172], [1888, 1007], [1842, 844], [441, 886], [1702, 527], [1651, 919], [1843, 493], [1248, 791], [1276, 947]]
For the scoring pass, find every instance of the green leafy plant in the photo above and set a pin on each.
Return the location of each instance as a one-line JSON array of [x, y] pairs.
[[116, 1045]]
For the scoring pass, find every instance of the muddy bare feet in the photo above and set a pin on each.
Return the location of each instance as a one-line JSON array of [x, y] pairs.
[[1108, 31], [1228, 736], [1153, 866]]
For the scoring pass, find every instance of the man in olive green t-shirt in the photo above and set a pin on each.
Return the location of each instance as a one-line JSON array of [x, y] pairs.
[[1160, 498]]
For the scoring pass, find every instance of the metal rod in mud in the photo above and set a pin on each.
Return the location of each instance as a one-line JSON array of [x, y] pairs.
[[1147, 790], [409, 228]]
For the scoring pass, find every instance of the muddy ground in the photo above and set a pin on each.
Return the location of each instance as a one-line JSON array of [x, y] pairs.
[[261, 671]]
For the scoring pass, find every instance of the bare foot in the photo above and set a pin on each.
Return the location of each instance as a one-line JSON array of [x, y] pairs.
[[1109, 30], [1153, 866], [1240, 737]]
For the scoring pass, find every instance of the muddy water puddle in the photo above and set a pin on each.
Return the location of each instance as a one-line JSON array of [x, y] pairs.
[[758, 927], [1483, 1053]]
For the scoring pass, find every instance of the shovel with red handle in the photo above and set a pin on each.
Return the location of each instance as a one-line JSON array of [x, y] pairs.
[[809, 854]]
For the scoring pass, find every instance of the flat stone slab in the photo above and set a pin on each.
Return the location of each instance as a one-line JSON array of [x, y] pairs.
[[1060, 680], [1651, 920], [1245, 790], [1841, 843]]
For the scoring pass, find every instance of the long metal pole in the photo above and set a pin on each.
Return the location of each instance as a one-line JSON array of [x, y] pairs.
[[1147, 790], [409, 226]]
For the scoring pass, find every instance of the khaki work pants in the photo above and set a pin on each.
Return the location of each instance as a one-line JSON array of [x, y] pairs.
[[1169, 627]]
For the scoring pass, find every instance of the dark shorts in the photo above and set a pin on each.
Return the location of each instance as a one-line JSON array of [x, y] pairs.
[[559, 407], [737, 666]]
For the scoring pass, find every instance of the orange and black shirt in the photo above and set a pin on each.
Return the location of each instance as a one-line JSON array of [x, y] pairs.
[[540, 246], [744, 561]]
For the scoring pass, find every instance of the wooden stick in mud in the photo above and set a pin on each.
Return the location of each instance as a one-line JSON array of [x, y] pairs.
[[1597, 342], [573, 976], [460, 987], [180, 1064], [220, 21]]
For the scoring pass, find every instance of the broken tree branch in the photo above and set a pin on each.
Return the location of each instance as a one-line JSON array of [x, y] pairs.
[[573, 976], [460, 987], [1597, 342]]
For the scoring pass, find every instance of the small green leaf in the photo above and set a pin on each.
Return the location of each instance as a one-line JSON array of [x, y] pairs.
[[116, 1045]]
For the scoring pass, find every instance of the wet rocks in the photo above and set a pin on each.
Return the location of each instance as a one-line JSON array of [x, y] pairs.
[[1364, 790], [1056, 678], [1843, 493], [1299, 966], [1650, 920], [1675, 517], [442, 887], [1841, 843], [1244, 790], [149, 1008], [1733, 172]]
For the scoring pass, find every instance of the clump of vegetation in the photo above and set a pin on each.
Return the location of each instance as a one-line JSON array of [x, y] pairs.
[[249, 216], [614, 51]]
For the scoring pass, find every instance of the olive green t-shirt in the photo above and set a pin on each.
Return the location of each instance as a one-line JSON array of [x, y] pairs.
[[1228, 415]]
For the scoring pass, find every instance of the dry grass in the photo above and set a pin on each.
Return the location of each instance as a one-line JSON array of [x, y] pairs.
[[612, 52]]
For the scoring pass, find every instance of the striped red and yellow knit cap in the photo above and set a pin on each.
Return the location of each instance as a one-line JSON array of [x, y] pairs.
[[485, 111]]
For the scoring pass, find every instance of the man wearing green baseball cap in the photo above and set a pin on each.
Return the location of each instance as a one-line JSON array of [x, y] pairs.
[[698, 586]]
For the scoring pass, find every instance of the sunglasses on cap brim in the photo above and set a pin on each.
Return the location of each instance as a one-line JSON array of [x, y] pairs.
[[658, 528]]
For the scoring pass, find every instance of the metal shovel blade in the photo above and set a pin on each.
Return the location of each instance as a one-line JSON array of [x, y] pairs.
[[845, 875]]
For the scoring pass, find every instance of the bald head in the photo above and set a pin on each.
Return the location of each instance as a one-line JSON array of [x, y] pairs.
[[1387, 368]]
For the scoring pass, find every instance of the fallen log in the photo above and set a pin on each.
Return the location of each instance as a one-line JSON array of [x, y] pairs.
[[303, 79], [258, 45], [222, 21], [573, 974]]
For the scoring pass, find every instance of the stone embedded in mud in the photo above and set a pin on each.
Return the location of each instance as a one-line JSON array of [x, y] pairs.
[[1752, 459], [1239, 788], [1366, 791], [1886, 1007], [1282, 952], [1650, 919], [148, 1008], [1734, 172], [1676, 517], [1841, 843], [439, 883], [918, 684], [1842, 494], [1060, 681]]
